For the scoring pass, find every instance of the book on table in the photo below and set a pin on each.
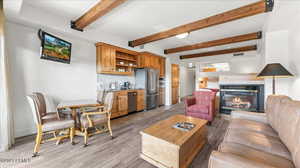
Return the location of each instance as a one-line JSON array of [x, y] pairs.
[[184, 126]]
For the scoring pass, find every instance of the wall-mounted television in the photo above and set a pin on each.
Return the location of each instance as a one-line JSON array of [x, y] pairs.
[[54, 48]]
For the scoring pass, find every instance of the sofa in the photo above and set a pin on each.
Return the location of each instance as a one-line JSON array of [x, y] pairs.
[[262, 140], [201, 105]]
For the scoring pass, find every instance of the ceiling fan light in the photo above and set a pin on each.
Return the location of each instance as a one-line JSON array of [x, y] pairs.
[[182, 36]]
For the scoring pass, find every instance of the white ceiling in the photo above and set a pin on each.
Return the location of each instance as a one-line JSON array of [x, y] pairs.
[[138, 18]]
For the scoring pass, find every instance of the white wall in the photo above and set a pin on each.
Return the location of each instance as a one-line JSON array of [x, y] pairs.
[[168, 81], [277, 51], [30, 74], [249, 63], [294, 41], [282, 45], [4, 114]]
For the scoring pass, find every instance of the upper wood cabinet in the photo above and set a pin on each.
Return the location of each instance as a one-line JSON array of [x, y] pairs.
[[120, 61], [149, 60], [162, 72], [115, 60], [106, 59]]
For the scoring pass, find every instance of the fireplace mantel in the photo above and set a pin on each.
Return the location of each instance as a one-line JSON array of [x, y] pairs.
[[242, 79]]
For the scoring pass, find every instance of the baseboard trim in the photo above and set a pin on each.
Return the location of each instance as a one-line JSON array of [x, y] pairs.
[[24, 132]]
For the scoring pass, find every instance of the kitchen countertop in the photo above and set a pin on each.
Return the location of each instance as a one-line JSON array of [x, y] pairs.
[[124, 90]]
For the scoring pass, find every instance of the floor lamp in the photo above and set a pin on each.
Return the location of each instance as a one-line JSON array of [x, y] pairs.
[[275, 70]]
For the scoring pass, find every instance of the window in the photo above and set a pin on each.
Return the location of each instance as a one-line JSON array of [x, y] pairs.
[[215, 67]]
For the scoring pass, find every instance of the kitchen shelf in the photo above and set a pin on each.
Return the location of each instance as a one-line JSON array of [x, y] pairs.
[[109, 59], [126, 59], [122, 65], [118, 73]]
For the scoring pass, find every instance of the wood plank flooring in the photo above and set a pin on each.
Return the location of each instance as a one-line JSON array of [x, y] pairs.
[[102, 152]]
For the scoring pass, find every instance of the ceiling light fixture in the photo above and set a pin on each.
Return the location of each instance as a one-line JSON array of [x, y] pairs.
[[182, 36]]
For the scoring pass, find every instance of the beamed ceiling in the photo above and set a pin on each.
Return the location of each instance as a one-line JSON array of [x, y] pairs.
[[134, 19]]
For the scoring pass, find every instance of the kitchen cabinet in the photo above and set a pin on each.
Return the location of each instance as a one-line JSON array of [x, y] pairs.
[[141, 105], [115, 60], [162, 63], [114, 110], [144, 60], [106, 59], [149, 60], [120, 104], [154, 63]]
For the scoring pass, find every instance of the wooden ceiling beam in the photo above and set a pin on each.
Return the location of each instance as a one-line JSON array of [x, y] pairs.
[[100, 9], [229, 40], [220, 52], [242, 12]]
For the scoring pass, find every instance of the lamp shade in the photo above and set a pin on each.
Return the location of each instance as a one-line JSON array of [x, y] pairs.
[[274, 70]]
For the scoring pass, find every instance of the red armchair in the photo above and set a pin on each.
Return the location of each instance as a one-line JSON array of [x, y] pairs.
[[201, 105]]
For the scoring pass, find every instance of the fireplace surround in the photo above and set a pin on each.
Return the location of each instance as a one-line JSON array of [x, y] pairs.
[[241, 97]]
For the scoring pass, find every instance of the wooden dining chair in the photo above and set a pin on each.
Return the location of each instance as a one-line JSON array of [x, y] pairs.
[[92, 119], [100, 99], [48, 123], [101, 95]]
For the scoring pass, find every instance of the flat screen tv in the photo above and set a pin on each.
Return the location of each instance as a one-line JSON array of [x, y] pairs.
[[54, 48]]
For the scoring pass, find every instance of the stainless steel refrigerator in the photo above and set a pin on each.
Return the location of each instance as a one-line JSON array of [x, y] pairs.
[[148, 79]]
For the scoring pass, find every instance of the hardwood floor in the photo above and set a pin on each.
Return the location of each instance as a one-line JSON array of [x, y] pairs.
[[121, 152]]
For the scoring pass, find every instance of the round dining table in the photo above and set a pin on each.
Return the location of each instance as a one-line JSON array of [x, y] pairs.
[[76, 106]]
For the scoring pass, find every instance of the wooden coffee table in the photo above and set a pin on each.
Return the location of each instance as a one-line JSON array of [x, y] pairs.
[[168, 147]]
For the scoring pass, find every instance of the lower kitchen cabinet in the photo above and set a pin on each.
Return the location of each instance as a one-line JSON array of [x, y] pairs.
[[141, 105], [114, 110], [120, 104]]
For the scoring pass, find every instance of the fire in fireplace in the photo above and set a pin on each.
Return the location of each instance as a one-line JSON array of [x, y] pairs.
[[241, 97], [237, 102]]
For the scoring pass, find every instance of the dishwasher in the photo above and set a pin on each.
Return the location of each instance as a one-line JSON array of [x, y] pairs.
[[132, 98]]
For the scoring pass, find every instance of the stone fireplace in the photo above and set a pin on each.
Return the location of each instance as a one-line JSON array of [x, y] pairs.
[[241, 97]]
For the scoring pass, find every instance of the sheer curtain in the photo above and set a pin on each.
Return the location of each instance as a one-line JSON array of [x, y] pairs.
[[6, 118]]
